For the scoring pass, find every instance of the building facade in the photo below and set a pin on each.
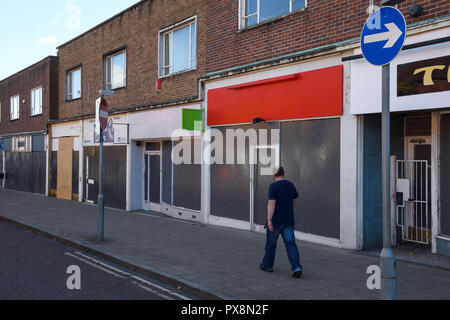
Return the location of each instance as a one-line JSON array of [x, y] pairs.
[[296, 67], [150, 55], [271, 83], [28, 99]]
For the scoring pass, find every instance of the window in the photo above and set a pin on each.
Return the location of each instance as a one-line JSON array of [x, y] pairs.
[[36, 101], [115, 71], [0, 112], [73, 84], [178, 48], [23, 144], [256, 11], [15, 108]]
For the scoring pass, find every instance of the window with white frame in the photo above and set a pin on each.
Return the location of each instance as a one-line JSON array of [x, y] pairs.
[[254, 12], [21, 144], [0, 112], [116, 71], [36, 101], [178, 48], [73, 84], [14, 108]]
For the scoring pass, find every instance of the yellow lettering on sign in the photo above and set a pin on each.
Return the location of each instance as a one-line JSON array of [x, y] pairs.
[[448, 74], [428, 75]]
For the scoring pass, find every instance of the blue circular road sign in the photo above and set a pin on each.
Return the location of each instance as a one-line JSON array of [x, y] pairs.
[[383, 36]]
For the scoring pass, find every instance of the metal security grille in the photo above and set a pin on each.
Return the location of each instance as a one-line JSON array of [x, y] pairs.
[[413, 205]]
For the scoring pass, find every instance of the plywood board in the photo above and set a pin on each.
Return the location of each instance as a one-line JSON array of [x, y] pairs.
[[64, 177]]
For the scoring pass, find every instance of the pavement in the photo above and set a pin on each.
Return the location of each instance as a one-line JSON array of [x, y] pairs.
[[215, 262]]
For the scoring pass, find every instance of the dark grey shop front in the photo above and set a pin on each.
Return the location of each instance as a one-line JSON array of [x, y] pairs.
[[310, 154], [24, 171], [445, 177], [114, 175], [181, 184]]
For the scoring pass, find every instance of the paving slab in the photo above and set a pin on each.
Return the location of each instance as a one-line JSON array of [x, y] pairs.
[[221, 260]]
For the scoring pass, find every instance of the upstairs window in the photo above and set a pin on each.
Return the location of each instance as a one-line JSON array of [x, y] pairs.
[[15, 108], [73, 84], [36, 101], [178, 48], [115, 71], [254, 12]]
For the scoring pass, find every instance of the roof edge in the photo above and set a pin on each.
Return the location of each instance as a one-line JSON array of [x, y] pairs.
[[29, 67], [102, 23]]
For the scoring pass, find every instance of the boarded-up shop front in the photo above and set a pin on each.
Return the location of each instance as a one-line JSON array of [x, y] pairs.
[[24, 163], [293, 119], [157, 182]]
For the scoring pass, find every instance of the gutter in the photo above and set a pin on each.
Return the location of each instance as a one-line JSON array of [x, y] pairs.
[[19, 134]]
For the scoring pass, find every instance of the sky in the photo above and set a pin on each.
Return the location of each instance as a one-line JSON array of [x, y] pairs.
[[30, 30]]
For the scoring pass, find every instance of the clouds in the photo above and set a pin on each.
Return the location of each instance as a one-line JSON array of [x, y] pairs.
[[23, 51], [46, 40], [72, 13]]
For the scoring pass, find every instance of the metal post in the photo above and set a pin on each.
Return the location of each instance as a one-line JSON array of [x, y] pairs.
[[387, 259], [101, 218]]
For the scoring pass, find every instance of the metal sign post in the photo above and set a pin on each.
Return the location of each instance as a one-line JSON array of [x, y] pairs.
[[387, 259], [102, 113], [382, 40]]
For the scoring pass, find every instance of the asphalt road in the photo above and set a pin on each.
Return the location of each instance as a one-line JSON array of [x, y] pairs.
[[33, 267]]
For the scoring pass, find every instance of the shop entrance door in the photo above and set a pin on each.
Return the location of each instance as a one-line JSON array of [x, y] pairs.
[[91, 194], [265, 160], [414, 186], [152, 181]]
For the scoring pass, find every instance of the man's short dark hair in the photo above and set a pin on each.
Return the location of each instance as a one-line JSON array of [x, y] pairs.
[[280, 172]]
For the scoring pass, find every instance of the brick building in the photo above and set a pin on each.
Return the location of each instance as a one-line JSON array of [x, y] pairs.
[[233, 42], [290, 69], [151, 56], [295, 68], [28, 99]]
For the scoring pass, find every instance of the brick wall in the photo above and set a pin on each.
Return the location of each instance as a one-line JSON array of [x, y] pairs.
[[323, 22], [21, 83], [137, 29]]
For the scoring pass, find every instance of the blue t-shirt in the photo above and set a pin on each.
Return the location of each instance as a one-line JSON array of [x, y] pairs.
[[284, 193]]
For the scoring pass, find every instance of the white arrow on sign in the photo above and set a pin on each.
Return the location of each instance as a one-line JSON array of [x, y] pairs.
[[392, 36]]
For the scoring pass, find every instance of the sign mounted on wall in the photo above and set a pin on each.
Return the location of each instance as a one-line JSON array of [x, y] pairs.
[[426, 76], [383, 36]]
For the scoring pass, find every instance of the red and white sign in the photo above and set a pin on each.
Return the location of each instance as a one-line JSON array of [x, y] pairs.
[[103, 114]]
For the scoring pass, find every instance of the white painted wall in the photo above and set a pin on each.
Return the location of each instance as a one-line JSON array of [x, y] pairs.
[[158, 123], [69, 129], [350, 232]]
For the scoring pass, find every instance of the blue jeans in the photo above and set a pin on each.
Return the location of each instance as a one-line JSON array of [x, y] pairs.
[[287, 233]]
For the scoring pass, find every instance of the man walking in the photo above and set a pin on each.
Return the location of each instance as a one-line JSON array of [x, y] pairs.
[[280, 221]]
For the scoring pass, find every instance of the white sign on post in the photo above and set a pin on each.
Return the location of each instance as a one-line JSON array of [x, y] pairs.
[[97, 117]]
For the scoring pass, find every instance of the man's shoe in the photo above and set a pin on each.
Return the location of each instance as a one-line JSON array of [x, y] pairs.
[[264, 269], [297, 274]]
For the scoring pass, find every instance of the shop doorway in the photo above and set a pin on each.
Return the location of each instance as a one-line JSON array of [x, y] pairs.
[[152, 177], [92, 168], [265, 160], [414, 191]]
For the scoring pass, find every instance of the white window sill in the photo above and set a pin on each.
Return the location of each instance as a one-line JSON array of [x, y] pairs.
[[241, 29], [177, 73]]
